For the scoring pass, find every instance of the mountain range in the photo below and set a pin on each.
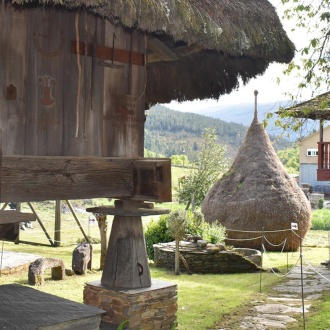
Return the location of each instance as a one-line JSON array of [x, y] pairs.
[[169, 132]]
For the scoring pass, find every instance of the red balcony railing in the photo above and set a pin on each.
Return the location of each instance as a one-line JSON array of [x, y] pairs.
[[323, 169]]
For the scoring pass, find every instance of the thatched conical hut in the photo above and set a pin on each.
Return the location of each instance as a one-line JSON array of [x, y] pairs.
[[257, 195]]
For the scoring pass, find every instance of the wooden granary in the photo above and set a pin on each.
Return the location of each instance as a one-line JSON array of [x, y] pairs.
[[76, 78]]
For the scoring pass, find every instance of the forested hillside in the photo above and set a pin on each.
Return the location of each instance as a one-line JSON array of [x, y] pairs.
[[170, 132]]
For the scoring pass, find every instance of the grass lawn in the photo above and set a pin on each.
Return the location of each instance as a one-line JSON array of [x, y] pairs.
[[204, 301]]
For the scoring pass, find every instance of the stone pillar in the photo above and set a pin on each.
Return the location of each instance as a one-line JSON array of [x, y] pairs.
[[149, 308]]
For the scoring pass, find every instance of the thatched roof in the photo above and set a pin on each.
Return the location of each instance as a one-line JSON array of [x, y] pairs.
[[317, 108], [257, 193], [205, 46]]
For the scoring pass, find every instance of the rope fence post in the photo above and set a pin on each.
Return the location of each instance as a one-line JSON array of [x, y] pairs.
[[261, 263], [329, 243], [302, 281]]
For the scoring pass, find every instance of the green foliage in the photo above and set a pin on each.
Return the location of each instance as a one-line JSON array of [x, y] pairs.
[[320, 203], [156, 232], [209, 165], [290, 159], [150, 154], [177, 224], [312, 67], [122, 324], [180, 160], [214, 233], [321, 219]]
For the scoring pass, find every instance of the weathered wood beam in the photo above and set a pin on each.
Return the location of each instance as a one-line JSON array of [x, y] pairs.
[[37, 178], [188, 50], [7, 217], [179, 51], [107, 53], [164, 52]]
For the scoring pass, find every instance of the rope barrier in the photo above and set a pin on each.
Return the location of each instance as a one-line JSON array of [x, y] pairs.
[[243, 239], [284, 242], [315, 270], [272, 270], [258, 231]]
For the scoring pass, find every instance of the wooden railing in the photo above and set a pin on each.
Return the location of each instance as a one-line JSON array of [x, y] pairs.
[[323, 169]]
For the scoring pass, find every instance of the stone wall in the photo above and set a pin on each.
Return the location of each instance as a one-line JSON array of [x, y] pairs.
[[208, 260], [149, 308]]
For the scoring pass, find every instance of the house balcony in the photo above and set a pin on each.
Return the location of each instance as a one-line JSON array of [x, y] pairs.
[[323, 169]]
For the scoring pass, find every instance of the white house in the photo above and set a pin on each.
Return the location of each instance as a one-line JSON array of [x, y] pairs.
[[308, 160]]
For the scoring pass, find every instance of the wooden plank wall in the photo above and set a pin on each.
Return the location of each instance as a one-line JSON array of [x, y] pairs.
[[68, 104]]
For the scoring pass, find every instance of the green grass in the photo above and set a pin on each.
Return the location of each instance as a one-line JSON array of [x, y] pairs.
[[204, 301], [319, 314], [321, 219]]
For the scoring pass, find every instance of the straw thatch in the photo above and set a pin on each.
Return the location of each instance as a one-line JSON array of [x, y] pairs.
[[257, 194], [212, 43], [317, 108]]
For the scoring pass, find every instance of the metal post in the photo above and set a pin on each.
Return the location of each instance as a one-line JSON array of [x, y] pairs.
[[262, 244], [3, 240], [302, 282], [57, 229], [329, 243]]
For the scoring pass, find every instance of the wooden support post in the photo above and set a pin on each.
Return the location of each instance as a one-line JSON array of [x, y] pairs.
[[103, 227], [57, 234], [77, 220], [126, 264], [17, 225], [41, 224]]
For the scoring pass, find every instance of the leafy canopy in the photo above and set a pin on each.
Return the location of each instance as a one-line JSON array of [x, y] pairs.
[[312, 66], [210, 163]]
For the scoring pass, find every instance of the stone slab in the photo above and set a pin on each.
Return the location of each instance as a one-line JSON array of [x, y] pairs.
[[26, 308], [149, 308], [155, 285], [13, 262]]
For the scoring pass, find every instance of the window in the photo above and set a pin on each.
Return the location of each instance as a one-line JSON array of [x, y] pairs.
[[312, 152]]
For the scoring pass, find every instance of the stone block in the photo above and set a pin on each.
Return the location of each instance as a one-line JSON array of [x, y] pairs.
[[38, 267], [145, 308], [82, 258]]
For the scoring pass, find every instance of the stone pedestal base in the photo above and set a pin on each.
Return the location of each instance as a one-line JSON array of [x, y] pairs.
[[145, 308]]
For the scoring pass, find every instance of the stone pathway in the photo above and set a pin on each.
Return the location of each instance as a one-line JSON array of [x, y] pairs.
[[280, 309]]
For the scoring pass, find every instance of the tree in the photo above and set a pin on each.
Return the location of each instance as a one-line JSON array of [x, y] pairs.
[[290, 159], [177, 226], [210, 164], [313, 64], [180, 160]]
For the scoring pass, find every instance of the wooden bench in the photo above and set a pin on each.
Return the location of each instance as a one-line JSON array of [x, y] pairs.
[[38, 267]]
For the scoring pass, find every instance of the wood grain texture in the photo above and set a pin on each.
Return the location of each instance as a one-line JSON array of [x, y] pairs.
[[126, 263], [32, 178], [7, 217]]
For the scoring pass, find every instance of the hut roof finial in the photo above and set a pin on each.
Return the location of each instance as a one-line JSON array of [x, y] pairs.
[[255, 105]]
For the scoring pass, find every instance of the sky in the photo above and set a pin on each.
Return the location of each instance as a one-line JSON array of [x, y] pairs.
[[266, 85]]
